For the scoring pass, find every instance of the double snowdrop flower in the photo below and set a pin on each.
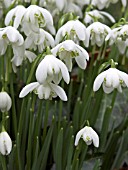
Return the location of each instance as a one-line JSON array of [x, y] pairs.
[[73, 30], [97, 33], [44, 91], [68, 50], [31, 19], [10, 36], [88, 135], [95, 14], [5, 143], [40, 40], [5, 101], [52, 69], [111, 79], [49, 71], [100, 4], [119, 36]]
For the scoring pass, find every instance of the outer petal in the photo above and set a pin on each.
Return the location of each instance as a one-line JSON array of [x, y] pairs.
[[41, 71], [59, 91], [9, 16], [95, 137], [80, 30], [65, 72], [30, 55], [78, 136], [81, 61], [98, 81], [123, 76], [28, 88], [19, 15]]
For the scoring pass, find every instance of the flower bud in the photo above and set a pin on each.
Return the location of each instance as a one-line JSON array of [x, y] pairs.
[[5, 102], [5, 143]]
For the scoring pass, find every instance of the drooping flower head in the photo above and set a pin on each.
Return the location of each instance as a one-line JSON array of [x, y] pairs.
[[73, 30], [97, 33], [52, 69], [42, 39], [68, 50], [5, 143], [95, 14], [31, 18], [44, 91], [119, 36], [88, 135], [5, 102], [111, 79]]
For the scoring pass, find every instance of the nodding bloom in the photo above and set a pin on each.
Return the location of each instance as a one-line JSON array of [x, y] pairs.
[[40, 40], [111, 79], [5, 143], [73, 30], [97, 33], [5, 102], [98, 15], [119, 36], [100, 4], [68, 50], [31, 18], [88, 135], [52, 69], [44, 91], [10, 36]]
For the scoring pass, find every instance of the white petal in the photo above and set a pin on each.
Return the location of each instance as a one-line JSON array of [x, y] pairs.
[[59, 91], [81, 61], [60, 5], [9, 16], [19, 15], [95, 137], [65, 73], [78, 136], [30, 55], [41, 71], [28, 88], [123, 76], [98, 81], [80, 30]]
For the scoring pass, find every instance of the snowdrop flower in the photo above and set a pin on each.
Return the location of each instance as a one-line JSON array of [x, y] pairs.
[[97, 33], [68, 50], [44, 91], [5, 143], [9, 35], [41, 39], [111, 79], [88, 135], [31, 18], [73, 30], [5, 102], [36, 17], [89, 16], [100, 4], [119, 36], [15, 14], [52, 69]]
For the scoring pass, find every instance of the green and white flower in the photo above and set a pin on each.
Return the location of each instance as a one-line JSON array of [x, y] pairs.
[[5, 143], [119, 36], [5, 101], [96, 34], [68, 50], [52, 69], [111, 79], [88, 135], [44, 91], [74, 30]]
